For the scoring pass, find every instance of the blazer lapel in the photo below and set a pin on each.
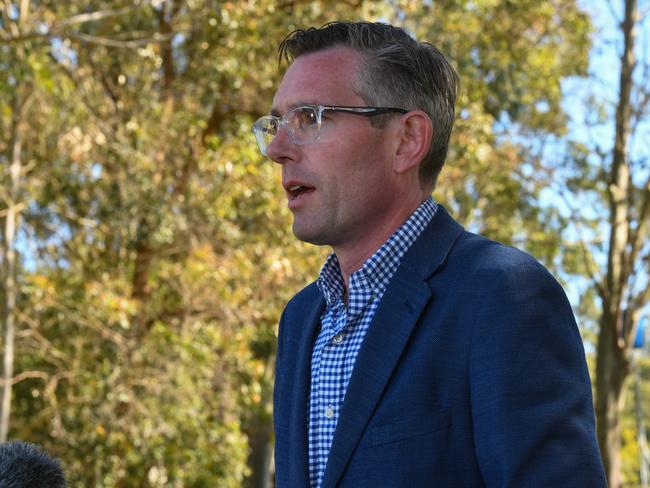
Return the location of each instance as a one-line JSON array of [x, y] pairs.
[[396, 317], [298, 424]]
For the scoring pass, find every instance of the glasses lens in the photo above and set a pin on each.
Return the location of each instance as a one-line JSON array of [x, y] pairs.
[[265, 130], [303, 124]]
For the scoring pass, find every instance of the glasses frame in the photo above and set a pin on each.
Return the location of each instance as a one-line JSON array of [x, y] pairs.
[[319, 110]]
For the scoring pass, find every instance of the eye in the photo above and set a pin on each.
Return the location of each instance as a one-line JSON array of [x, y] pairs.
[[303, 118]]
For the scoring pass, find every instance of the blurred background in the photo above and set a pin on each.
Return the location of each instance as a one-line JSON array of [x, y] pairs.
[[146, 250]]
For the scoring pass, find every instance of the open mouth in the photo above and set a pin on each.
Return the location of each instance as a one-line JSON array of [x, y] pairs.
[[298, 190]]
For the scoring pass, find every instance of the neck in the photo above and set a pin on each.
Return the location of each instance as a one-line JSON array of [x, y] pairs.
[[352, 256]]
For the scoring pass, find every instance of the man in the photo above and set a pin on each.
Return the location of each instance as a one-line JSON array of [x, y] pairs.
[[424, 355]]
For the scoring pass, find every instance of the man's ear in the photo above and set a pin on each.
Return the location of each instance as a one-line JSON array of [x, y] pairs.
[[415, 132]]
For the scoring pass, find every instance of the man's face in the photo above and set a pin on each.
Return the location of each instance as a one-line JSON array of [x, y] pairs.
[[345, 179]]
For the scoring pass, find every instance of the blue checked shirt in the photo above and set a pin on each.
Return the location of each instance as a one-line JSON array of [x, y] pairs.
[[343, 330]]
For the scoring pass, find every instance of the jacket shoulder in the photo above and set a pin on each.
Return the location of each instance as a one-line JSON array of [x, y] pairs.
[[486, 254]]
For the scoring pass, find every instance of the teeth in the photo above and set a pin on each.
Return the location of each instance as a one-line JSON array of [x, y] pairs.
[[295, 188]]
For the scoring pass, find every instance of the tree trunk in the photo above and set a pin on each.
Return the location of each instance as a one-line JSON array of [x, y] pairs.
[[259, 432], [612, 369], [9, 270], [615, 337]]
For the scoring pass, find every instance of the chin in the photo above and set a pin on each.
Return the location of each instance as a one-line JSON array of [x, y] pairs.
[[311, 236]]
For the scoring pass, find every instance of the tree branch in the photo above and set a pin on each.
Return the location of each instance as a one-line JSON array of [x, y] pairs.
[[23, 12], [94, 16], [23, 376], [591, 271], [644, 213], [7, 20], [130, 44]]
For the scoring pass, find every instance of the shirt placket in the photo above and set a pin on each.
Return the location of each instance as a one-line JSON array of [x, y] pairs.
[[330, 385], [333, 355]]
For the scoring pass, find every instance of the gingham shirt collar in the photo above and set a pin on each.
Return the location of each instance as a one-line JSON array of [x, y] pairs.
[[378, 269]]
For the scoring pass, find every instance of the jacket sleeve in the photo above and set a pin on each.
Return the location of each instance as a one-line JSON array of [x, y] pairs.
[[531, 400]]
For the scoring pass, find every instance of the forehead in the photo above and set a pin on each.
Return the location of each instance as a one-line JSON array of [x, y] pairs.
[[322, 77]]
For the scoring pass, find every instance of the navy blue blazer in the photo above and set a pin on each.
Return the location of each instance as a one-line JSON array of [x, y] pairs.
[[472, 374]]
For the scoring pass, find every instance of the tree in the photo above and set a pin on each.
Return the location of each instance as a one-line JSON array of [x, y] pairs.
[[140, 307], [17, 152], [604, 193], [512, 58], [622, 300]]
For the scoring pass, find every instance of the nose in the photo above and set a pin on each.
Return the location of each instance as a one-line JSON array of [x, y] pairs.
[[282, 148]]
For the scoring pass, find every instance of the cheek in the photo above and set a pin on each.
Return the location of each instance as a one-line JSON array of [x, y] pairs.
[[354, 166], [357, 187]]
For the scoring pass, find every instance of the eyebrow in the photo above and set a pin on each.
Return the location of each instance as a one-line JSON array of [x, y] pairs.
[[276, 113]]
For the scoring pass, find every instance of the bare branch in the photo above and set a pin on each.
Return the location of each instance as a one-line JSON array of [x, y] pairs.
[[17, 207], [635, 234], [24, 12], [6, 17], [16, 37], [58, 29], [25, 375], [99, 15], [130, 44], [642, 95], [43, 341], [592, 271], [94, 324]]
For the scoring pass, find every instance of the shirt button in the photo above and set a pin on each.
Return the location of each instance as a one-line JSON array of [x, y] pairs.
[[329, 412], [338, 338]]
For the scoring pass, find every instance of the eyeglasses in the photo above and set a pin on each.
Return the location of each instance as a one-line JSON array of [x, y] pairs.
[[303, 123]]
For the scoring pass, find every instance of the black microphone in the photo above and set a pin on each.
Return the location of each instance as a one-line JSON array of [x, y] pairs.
[[25, 465]]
